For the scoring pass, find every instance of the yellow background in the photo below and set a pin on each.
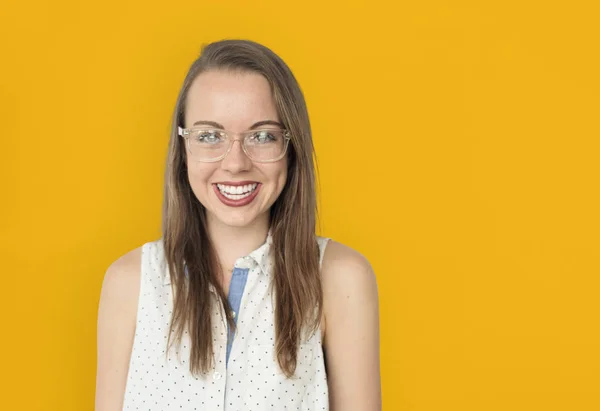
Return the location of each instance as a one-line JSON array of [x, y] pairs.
[[458, 151]]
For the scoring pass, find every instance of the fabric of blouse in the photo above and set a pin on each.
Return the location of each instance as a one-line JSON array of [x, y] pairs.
[[250, 379]]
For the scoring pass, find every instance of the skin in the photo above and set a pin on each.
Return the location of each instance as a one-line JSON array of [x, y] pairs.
[[350, 325]]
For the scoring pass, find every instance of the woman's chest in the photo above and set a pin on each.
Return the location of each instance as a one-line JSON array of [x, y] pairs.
[[246, 373]]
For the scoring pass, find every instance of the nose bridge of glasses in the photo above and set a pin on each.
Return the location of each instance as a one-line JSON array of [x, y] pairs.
[[240, 138]]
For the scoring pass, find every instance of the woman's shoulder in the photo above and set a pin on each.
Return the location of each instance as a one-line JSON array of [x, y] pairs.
[[339, 258], [347, 275], [127, 269], [122, 277]]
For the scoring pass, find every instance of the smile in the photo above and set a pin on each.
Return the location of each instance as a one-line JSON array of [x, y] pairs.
[[237, 192]]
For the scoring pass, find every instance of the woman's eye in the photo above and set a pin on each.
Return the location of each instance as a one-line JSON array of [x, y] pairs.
[[208, 136], [263, 137]]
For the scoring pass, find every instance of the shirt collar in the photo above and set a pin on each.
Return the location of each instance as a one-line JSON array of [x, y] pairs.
[[260, 256]]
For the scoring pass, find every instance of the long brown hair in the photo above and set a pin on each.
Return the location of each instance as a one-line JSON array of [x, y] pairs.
[[298, 296]]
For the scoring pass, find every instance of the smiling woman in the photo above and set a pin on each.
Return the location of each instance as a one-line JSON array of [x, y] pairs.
[[239, 305]]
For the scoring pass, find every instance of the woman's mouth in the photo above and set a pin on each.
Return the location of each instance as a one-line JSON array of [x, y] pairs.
[[238, 195], [237, 192]]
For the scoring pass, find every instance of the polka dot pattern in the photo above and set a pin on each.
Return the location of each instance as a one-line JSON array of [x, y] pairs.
[[251, 380]]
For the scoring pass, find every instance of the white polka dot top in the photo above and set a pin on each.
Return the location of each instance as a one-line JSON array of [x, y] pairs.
[[246, 376]]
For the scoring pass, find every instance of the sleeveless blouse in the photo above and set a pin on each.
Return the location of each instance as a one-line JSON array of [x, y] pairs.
[[246, 375]]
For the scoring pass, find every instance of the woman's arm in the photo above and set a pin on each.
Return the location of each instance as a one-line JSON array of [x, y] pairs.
[[117, 313], [351, 340]]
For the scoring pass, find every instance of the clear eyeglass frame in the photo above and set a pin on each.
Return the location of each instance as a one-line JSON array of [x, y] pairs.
[[187, 132]]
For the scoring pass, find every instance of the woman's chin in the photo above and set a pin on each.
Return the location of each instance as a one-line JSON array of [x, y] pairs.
[[235, 218]]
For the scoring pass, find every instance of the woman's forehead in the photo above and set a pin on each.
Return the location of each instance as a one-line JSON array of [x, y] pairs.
[[234, 99]]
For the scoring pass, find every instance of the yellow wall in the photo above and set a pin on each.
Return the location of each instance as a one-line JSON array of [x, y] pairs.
[[458, 149]]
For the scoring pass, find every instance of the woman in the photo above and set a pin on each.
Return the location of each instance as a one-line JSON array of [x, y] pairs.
[[239, 306]]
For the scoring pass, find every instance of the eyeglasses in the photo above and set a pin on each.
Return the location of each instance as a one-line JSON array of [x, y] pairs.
[[264, 145]]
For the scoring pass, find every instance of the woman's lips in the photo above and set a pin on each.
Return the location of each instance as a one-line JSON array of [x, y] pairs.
[[239, 202]]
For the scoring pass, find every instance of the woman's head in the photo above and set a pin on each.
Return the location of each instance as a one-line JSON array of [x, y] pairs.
[[236, 85]]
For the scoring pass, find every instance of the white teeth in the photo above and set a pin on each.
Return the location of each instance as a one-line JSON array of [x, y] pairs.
[[237, 192], [236, 196]]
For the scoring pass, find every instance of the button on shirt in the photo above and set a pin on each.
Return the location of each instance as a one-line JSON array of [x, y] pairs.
[[246, 375]]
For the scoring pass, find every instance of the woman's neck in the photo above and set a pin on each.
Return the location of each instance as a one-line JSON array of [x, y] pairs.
[[231, 242]]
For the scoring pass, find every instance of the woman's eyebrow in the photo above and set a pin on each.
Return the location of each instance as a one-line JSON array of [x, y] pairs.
[[209, 123], [255, 125], [266, 123]]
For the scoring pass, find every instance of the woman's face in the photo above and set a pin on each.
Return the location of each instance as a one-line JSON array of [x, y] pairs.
[[236, 101]]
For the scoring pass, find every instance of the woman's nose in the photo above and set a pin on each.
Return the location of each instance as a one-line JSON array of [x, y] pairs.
[[236, 160]]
